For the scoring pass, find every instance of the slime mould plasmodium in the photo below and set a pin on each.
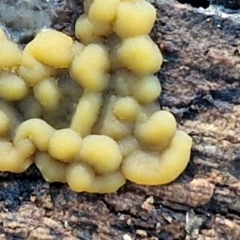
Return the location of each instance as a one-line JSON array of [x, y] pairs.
[[84, 111]]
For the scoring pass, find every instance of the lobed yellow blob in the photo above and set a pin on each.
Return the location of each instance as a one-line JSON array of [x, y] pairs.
[[43, 48], [91, 32], [107, 183], [147, 89], [151, 169], [64, 144], [32, 71], [101, 152], [51, 169], [37, 131], [126, 108], [109, 125], [47, 93], [90, 68], [13, 159], [103, 11], [158, 130], [12, 87], [87, 112], [79, 176], [134, 18], [140, 54], [10, 53]]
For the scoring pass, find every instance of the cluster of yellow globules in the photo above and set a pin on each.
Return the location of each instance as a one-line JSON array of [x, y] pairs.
[[116, 130]]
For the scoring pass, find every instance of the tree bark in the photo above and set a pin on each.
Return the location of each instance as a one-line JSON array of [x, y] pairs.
[[200, 80]]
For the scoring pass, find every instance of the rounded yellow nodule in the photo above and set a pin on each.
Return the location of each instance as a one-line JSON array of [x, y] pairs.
[[158, 130], [52, 48], [10, 53], [101, 152], [47, 93], [90, 68], [37, 131], [108, 183], [86, 114], [79, 176], [12, 87], [64, 144], [154, 152], [90, 32], [13, 159], [149, 168], [33, 71], [103, 11], [134, 18], [51, 169], [140, 54], [147, 89], [109, 125], [126, 108]]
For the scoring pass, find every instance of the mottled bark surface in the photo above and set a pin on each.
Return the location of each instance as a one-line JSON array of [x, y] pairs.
[[200, 79]]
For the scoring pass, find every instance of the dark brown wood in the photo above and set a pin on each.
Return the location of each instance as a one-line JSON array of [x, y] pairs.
[[200, 80]]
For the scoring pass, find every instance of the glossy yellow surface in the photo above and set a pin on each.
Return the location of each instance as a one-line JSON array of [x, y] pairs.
[[84, 111]]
